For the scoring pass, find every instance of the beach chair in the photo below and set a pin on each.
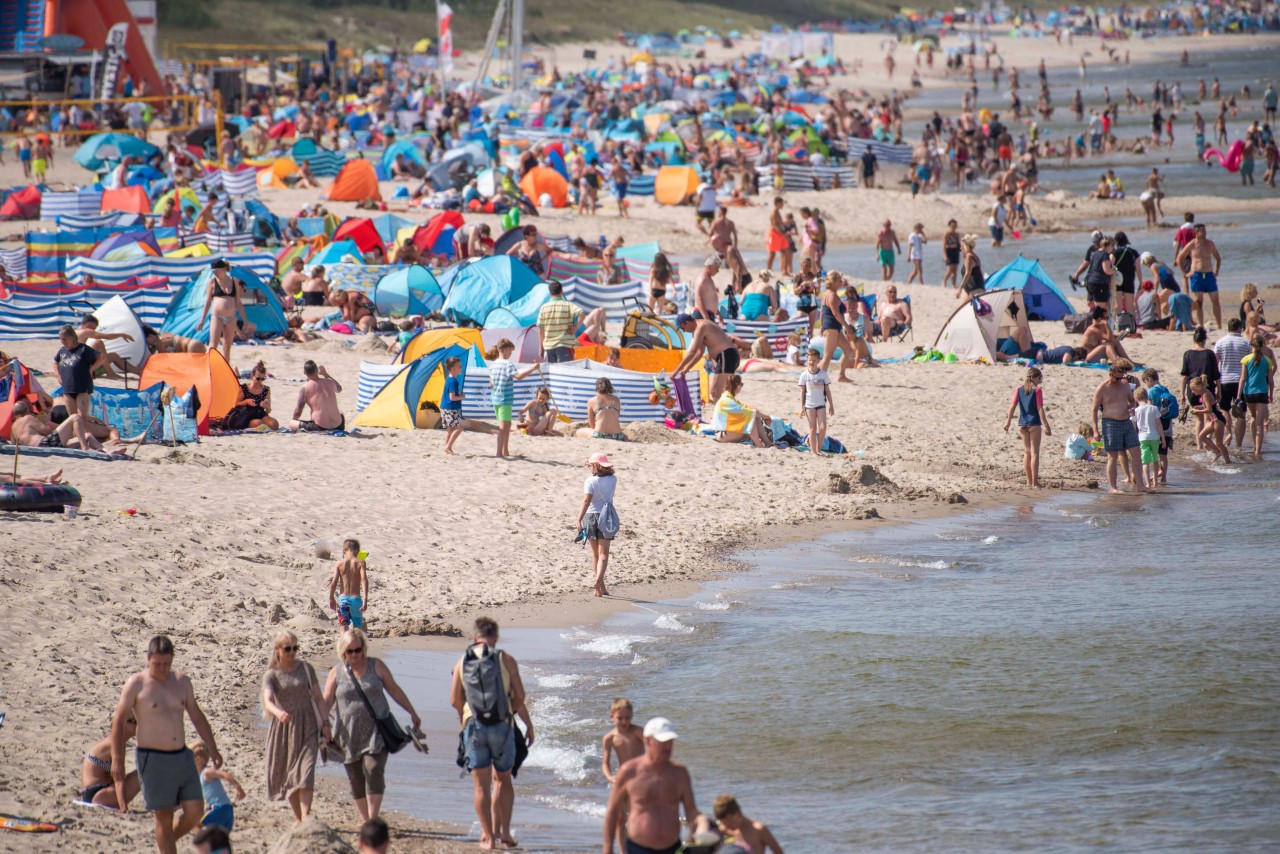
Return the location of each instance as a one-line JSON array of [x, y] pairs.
[[899, 332]]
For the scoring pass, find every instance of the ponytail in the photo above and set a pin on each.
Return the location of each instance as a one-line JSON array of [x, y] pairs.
[[1033, 376], [1259, 345]]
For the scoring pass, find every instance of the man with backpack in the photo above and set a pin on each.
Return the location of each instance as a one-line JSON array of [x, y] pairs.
[[488, 694]]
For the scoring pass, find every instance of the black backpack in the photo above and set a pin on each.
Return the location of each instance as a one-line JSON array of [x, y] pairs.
[[483, 685]]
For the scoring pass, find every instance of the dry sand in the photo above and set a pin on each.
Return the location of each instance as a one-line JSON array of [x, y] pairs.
[[220, 553]]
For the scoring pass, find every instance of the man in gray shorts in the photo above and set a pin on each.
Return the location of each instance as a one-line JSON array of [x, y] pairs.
[[158, 698]]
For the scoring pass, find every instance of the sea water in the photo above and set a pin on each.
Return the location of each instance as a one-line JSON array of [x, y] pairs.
[[1079, 672]]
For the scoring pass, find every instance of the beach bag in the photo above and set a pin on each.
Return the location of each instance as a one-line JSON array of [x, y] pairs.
[[1076, 323], [1126, 323], [609, 522], [393, 735], [482, 683]]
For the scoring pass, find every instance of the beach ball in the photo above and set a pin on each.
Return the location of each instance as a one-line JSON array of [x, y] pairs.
[[507, 224]]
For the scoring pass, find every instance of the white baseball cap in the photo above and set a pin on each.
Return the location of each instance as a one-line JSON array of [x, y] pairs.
[[660, 729]]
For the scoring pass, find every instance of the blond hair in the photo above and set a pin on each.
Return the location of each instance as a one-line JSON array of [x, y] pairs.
[[1248, 292], [619, 704], [284, 636], [504, 344], [761, 349], [1033, 376], [198, 748], [349, 637]]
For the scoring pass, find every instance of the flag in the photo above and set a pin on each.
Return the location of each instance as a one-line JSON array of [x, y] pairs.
[[445, 15]]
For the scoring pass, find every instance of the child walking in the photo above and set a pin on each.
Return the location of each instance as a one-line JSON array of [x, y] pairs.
[[451, 403], [1167, 403], [815, 399], [597, 519], [915, 253], [1028, 401], [218, 807], [351, 576], [1214, 422], [502, 390], [625, 739], [1147, 418]]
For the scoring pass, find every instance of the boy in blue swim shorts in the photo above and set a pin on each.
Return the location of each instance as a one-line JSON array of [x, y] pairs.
[[349, 575], [1202, 255]]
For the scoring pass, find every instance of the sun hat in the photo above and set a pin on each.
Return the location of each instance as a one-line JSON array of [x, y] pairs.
[[598, 460], [1146, 258], [660, 729]]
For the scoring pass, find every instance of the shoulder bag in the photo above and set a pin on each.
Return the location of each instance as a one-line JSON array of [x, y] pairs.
[[393, 735]]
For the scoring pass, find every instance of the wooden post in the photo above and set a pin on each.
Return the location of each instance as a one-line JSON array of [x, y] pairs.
[[217, 124]]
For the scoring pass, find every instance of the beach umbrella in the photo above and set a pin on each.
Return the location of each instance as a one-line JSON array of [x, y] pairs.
[[103, 148]]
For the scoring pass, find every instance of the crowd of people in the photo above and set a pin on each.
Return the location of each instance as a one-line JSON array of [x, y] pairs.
[[347, 717]]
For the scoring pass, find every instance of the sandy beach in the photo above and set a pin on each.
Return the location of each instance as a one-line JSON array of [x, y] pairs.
[[213, 543]]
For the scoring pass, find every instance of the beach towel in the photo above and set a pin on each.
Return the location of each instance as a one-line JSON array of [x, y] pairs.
[[72, 453], [731, 416]]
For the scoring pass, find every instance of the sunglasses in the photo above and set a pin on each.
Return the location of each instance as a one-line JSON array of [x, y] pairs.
[[289, 649], [352, 649]]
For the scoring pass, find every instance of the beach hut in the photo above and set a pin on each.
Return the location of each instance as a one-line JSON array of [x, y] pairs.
[[975, 329], [208, 373], [1043, 298], [260, 305], [357, 181], [408, 290], [544, 181], [675, 184], [397, 403]]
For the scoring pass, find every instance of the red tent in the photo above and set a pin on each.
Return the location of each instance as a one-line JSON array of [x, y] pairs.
[[427, 235], [283, 129], [22, 204], [127, 199], [362, 231], [19, 385]]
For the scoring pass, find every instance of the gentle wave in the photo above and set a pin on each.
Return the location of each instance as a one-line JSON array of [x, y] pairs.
[[906, 563], [725, 606], [670, 623]]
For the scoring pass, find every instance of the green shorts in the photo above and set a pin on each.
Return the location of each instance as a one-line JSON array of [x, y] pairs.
[[503, 412], [1150, 450], [886, 257]]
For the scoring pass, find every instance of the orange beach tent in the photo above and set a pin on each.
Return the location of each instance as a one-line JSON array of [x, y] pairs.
[[356, 182], [126, 199], [208, 373], [675, 184], [542, 180]]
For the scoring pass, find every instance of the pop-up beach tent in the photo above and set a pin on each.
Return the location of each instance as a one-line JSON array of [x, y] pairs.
[[357, 181], [1043, 298], [116, 316], [975, 329], [408, 290], [398, 403], [674, 184], [478, 287], [260, 304], [544, 181], [208, 373]]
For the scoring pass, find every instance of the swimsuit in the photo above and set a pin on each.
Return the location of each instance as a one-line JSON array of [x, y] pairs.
[[634, 848], [53, 440], [619, 437], [728, 360], [313, 427], [829, 321], [168, 778]]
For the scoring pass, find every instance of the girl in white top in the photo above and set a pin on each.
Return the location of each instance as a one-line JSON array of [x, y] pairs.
[[915, 253], [596, 499]]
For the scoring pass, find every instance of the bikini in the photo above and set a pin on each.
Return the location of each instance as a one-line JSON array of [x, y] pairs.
[[219, 292], [88, 793], [618, 437]]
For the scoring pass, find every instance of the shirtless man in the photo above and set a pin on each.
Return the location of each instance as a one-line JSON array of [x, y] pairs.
[[650, 790], [320, 393], [706, 299], [1205, 264], [479, 245], [291, 282], [887, 250], [1113, 402], [777, 242], [1099, 342], [720, 347], [894, 312], [157, 698], [88, 334], [36, 431]]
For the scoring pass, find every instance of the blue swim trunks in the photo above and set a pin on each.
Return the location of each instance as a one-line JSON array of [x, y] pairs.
[[1204, 283], [354, 610]]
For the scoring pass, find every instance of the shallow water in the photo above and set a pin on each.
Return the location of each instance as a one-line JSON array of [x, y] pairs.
[[1077, 673]]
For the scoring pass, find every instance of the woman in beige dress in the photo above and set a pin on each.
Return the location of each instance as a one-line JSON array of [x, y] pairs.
[[292, 700]]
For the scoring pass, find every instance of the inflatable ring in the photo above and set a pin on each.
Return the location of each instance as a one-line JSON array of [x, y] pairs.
[[37, 497]]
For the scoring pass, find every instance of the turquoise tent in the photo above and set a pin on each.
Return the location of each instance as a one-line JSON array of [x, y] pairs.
[[260, 304], [405, 147], [1043, 298], [389, 225], [335, 252], [478, 287], [408, 290]]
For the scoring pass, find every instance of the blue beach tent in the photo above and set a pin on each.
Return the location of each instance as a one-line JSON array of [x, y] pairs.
[[260, 305], [476, 288], [1043, 298], [408, 290]]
